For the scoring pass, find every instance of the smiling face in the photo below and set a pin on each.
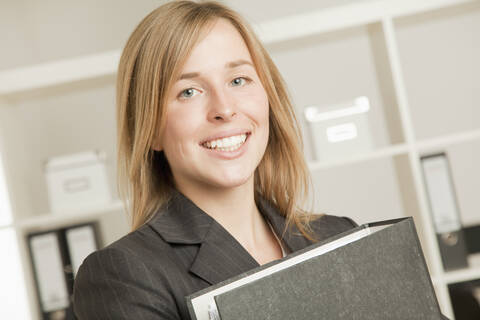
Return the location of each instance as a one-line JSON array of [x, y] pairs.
[[217, 115]]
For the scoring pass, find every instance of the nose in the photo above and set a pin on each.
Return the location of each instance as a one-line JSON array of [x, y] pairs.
[[221, 106]]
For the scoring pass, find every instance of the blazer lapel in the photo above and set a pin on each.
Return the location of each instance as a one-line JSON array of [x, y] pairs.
[[292, 238], [220, 255]]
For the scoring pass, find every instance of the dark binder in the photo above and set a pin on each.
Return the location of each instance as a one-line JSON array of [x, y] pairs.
[[49, 260], [465, 298], [380, 275], [445, 211], [55, 254], [81, 241]]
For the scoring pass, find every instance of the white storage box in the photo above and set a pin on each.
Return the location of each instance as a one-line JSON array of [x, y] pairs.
[[77, 181], [340, 130]]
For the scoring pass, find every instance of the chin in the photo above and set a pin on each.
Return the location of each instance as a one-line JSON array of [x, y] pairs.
[[233, 182], [230, 181]]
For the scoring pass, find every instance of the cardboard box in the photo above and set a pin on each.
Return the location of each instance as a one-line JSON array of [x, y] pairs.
[[341, 130], [77, 181]]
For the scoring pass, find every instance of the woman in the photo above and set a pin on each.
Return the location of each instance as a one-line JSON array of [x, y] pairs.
[[210, 154]]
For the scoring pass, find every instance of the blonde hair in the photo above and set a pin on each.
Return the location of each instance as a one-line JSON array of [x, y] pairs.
[[151, 59]]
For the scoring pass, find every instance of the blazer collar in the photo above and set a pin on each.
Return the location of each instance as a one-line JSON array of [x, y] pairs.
[[181, 221], [220, 255]]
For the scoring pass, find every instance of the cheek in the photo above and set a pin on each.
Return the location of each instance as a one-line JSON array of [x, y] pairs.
[[179, 132], [263, 113], [258, 107]]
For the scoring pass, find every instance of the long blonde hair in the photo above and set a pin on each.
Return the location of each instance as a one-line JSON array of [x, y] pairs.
[[151, 59]]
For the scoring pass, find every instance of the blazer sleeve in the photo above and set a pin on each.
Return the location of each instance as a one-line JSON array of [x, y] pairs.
[[112, 284], [350, 220]]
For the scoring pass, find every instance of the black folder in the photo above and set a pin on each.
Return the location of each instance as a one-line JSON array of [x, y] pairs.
[[380, 275], [55, 254], [445, 211]]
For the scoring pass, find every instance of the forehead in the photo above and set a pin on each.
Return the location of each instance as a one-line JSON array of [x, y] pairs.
[[220, 44]]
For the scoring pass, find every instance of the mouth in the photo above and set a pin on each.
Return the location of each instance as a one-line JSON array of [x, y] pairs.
[[227, 144]]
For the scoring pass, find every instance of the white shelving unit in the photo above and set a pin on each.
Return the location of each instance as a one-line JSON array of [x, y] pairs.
[[413, 59]]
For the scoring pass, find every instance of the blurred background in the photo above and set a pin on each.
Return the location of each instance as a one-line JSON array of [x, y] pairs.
[[386, 93]]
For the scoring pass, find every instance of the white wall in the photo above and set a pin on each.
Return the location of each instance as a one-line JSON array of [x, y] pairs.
[[35, 31]]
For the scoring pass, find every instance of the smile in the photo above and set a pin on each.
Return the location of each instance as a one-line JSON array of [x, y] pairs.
[[228, 144]]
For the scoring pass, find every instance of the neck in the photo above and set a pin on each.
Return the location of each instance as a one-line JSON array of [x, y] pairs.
[[234, 209]]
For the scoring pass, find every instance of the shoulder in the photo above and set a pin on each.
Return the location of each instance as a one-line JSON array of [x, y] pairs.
[[127, 254], [326, 225], [113, 279], [133, 248]]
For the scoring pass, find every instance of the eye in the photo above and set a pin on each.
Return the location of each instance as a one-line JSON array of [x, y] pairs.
[[239, 81], [187, 93]]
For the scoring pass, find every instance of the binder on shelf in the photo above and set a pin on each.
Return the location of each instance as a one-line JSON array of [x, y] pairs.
[[465, 298], [56, 256], [472, 239], [373, 271], [81, 242], [48, 263], [444, 211]]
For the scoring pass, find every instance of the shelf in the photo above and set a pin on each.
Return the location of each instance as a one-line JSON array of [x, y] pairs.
[[427, 145], [472, 273], [462, 275], [53, 220], [385, 152], [59, 72]]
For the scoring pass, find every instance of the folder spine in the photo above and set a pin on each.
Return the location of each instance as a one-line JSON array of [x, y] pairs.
[[445, 211]]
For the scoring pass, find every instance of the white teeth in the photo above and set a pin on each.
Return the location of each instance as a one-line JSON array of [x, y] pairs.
[[227, 144]]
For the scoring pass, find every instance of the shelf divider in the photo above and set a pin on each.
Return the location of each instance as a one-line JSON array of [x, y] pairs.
[[426, 230]]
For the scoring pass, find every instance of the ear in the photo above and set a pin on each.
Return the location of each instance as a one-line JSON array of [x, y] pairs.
[[156, 144]]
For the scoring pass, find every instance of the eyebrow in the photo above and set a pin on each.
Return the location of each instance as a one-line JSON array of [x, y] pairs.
[[229, 65]]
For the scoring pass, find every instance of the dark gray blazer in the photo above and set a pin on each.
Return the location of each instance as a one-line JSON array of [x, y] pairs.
[[147, 273]]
